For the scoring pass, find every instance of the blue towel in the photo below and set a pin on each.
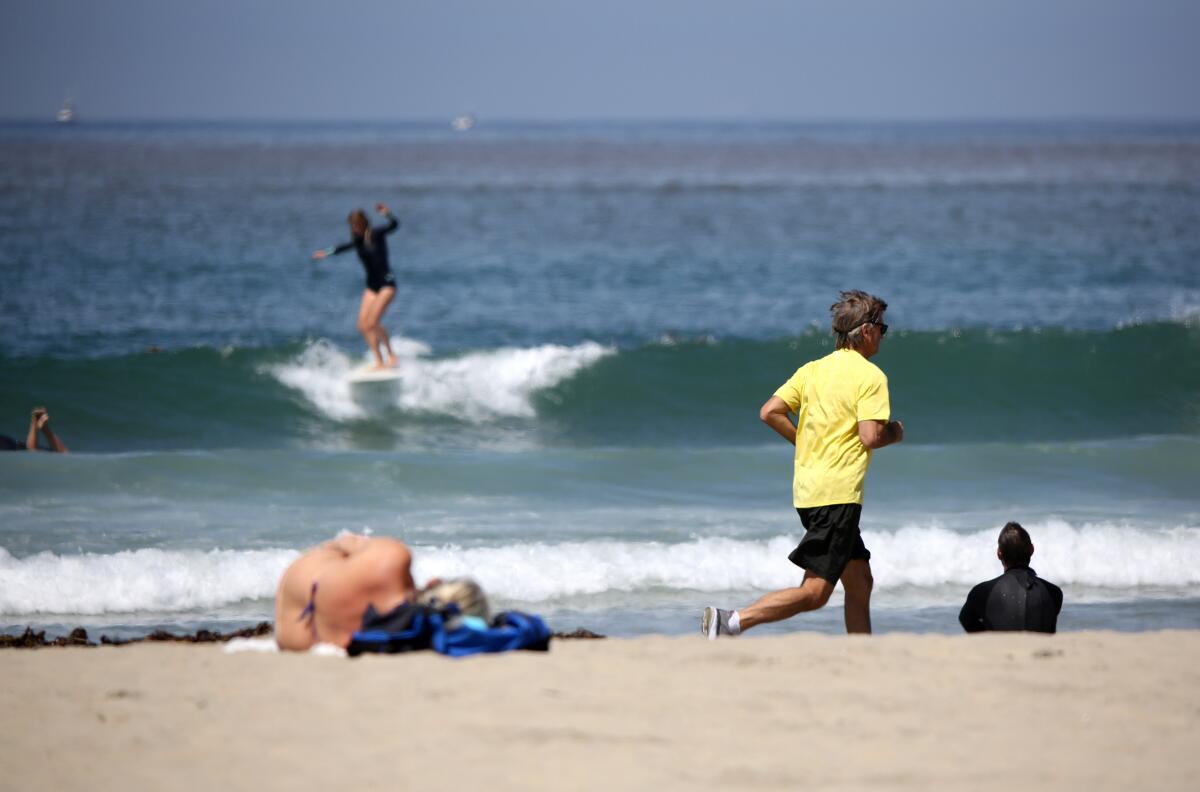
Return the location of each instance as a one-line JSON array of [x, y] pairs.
[[410, 627]]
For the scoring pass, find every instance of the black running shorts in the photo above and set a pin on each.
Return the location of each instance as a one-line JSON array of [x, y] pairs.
[[831, 541]]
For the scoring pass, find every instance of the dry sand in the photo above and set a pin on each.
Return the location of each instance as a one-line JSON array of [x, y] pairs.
[[1078, 711]]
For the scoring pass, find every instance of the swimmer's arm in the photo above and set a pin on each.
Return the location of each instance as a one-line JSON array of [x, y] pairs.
[[31, 438], [55, 443], [775, 415]]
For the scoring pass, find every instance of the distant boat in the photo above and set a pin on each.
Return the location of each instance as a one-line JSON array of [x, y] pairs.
[[66, 115], [463, 122]]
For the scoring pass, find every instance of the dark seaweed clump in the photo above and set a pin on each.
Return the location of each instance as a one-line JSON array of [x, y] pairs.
[[79, 637]]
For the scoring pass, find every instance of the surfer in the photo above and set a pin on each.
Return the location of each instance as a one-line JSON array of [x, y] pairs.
[[39, 419], [843, 413], [371, 246], [1018, 599]]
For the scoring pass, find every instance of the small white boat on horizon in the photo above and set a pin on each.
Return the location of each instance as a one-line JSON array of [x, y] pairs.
[[463, 122], [66, 114]]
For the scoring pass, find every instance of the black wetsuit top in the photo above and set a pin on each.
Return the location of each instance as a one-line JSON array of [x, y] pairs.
[[374, 258], [1017, 600]]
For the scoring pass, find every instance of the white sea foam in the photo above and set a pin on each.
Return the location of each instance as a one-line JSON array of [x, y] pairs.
[[1105, 557], [476, 386], [137, 580]]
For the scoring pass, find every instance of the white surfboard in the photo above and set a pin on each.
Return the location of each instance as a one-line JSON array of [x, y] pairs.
[[374, 388]]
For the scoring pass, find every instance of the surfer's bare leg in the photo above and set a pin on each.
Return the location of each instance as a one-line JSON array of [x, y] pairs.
[[375, 314], [367, 327], [382, 337], [857, 582]]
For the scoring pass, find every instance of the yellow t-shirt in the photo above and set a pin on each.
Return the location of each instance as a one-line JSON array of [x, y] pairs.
[[830, 396]]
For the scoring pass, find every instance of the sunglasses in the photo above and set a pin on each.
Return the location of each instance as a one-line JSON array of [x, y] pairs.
[[882, 328]]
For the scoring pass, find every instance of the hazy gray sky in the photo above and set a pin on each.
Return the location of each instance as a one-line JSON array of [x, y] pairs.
[[606, 59]]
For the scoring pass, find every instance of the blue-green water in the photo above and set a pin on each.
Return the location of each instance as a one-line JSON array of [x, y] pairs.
[[589, 317]]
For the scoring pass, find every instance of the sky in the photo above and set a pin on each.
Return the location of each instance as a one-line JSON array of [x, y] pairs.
[[548, 60]]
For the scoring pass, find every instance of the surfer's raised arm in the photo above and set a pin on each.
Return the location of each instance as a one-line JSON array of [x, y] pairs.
[[392, 224], [392, 221]]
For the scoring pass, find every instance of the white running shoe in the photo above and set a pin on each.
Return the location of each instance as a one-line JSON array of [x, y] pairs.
[[715, 622]]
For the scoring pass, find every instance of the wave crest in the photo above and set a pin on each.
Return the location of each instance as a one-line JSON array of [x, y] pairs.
[[476, 386], [137, 580]]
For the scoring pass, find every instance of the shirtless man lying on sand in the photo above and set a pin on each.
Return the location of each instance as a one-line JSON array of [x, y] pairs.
[[323, 595]]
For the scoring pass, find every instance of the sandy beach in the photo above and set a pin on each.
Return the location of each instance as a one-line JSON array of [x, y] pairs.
[[1091, 710]]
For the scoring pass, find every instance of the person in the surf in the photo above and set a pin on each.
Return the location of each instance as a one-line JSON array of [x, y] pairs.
[[1018, 599], [39, 420], [371, 246]]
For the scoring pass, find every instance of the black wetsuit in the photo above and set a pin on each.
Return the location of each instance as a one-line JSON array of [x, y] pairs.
[[1017, 600], [9, 444], [374, 257]]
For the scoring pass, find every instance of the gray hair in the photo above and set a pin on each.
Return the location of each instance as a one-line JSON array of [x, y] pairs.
[[855, 309]]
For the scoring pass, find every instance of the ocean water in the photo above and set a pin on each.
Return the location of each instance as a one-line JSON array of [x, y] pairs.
[[588, 317]]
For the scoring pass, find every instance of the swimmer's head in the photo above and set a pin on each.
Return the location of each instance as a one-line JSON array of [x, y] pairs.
[[359, 225], [1015, 546], [463, 592]]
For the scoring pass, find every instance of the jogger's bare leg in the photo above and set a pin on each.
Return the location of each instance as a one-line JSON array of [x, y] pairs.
[[810, 595], [857, 583]]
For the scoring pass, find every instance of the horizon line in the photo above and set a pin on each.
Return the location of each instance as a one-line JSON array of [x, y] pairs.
[[515, 121]]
